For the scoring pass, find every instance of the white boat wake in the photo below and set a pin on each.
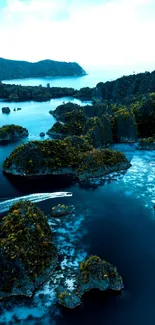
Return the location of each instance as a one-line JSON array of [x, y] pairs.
[[5, 205]]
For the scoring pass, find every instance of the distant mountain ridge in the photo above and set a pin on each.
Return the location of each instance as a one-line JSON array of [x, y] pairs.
[[11, 69]]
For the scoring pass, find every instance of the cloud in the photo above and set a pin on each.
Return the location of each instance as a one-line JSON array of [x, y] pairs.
[[3, 3], [107, 33]]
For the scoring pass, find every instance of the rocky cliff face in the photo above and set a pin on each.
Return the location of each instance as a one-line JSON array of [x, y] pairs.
[[144, 110], [125, 126], [98, 131], [27, 254], [126, 86], [71, 156], [105, 122]]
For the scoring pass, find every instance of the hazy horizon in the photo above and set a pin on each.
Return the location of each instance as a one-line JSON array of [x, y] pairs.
[[97, 34]]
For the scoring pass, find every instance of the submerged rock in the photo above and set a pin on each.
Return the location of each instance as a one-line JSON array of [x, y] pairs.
[[94, 273], [62, 210], [98, 131]]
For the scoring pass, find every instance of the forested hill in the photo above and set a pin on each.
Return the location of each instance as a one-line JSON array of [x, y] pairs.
[[126, 86], [10, 69]]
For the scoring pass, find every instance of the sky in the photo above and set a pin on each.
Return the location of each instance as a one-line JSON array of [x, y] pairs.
[[107, 33]]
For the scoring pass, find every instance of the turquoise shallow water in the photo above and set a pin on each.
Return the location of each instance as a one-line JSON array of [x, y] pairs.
[[34, 115]]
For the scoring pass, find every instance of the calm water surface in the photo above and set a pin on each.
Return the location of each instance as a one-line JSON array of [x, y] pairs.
[[90, 80], [34, 115], [115, 221]]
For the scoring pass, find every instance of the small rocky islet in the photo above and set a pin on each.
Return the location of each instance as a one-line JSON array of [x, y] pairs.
[[6, 110], [71, 156], [61, 210], [29, 258], [146, 144], [93, 273], [12, 132]]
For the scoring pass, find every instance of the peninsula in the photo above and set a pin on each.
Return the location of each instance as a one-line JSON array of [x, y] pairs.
[[11, 69]]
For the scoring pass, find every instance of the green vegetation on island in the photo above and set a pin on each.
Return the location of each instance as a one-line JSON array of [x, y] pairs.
[[146, 144], [94, 273], [96, 130], [61, 210], [124, 126], [11, 69], [70, 156], [74, 124], [28, 258], [27, 254], [38, 93], [125, 122], [12, 132], [126, 87]]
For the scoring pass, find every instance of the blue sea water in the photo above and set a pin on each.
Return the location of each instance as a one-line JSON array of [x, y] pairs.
[[94, 75], [115, 221]]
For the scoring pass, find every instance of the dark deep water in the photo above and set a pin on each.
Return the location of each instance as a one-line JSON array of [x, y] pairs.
[[115, 221]]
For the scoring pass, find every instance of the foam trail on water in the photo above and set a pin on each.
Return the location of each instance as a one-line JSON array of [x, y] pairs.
[[5, 205]]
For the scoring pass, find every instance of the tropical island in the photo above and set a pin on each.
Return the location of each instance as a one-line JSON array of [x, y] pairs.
[[12, 132], [71, 156], [27, 253], [93, 273], [11, 69]]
